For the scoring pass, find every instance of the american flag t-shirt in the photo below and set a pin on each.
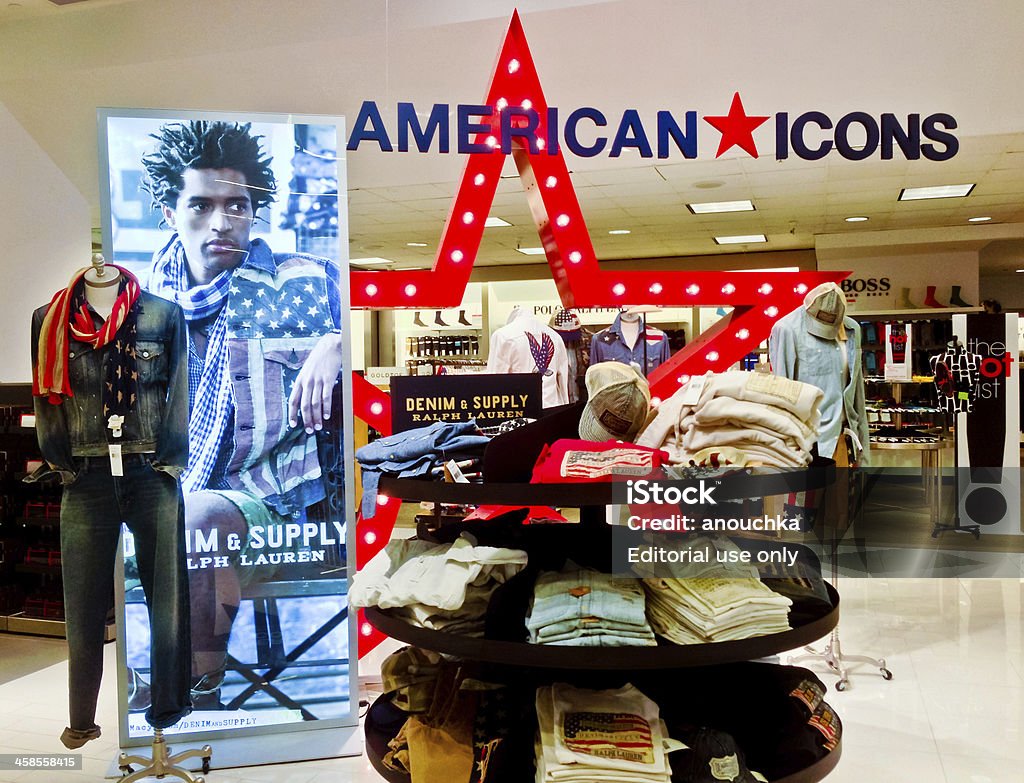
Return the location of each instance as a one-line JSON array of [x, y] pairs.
[[624, 736]]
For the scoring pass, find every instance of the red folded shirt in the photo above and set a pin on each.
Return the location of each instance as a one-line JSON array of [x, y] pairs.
[[584, 461], [533, 513]]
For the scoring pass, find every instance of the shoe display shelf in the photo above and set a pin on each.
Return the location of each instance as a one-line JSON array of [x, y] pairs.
[[650, 668], [892, 413]]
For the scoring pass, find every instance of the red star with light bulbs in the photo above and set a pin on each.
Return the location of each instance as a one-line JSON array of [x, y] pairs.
[[737, 128], [758, 300]]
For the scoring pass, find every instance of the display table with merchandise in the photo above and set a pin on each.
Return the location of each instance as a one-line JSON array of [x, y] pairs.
[[692, 666], [931, 468]]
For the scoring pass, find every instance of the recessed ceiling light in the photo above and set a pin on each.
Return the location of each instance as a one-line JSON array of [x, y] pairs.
[[1020, 270], [978, 219], [618, 231], [415, 244], [531, 251], [939, 191], [856, 219], [709, 207], [371, 261], [495, 222], [741, 239]]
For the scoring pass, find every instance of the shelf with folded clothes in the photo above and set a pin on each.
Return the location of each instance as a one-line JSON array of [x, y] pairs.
[[916, 379], [666, 655], [753, 717], [904, 410], [420, 591], [579, 495], [490, 627]]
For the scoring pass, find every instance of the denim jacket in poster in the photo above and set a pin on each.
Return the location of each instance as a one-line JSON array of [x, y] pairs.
[[158, 424]]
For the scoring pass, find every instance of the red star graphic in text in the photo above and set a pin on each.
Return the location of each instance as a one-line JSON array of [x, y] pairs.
[[737, 128]]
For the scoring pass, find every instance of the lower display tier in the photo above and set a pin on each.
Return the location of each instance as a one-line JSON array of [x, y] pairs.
[[763, 707], [664, 656]]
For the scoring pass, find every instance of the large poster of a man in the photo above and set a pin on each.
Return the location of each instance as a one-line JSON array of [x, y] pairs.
[[241, 222]]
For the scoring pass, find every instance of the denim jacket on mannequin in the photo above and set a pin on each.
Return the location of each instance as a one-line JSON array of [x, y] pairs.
[[159, 422]]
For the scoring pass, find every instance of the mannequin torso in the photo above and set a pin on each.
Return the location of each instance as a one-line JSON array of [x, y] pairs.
[[101, 287], [630, 329]]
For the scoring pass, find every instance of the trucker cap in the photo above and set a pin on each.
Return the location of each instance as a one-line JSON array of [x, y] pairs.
[[826, 306], [618, 405]]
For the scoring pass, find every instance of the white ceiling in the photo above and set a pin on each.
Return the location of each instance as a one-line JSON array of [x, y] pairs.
[[327, 56]]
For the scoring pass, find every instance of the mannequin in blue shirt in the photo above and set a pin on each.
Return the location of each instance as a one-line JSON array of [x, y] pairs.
[[624, 340]]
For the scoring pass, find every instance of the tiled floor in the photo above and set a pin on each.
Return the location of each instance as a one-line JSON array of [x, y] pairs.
[[953, 714]]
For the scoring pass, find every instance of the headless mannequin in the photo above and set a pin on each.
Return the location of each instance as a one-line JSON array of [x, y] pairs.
[[101, 286], [828, 310], [630, 323]]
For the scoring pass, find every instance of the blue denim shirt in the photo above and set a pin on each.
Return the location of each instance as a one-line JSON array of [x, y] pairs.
[[412, 453], [802, 356], [608, 346], [159, 423]]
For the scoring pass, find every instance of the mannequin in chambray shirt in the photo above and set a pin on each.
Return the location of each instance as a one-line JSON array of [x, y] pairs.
[[819, 345], [624, 340]]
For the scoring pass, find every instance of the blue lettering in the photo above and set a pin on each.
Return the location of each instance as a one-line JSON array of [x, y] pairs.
[[930, 128], [526, 131], [369, 116], [408, 120], [796, 136], [782, 135], [552, 130], [572, 140], [469, 129], [846, 149], [909, 140], [668, 128], [631, 134]]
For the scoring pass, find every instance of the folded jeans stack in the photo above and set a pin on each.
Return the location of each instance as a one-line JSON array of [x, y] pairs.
[[613, 736], [710, 609], [578, 607], [439, 586], [414, 454], [766, 418]]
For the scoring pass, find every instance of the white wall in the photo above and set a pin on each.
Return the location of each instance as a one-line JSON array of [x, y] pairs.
[[45, 226], [1008, 290]]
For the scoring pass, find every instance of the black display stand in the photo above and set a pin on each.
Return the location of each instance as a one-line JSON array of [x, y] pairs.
[[519, 660], [956, 527]]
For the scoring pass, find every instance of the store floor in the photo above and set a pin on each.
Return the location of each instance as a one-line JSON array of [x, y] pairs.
[[953, 714]]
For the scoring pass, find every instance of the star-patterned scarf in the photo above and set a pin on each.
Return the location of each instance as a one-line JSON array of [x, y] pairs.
[[69, 314]]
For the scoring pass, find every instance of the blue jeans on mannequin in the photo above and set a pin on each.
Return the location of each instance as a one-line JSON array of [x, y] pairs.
[[93, 506]]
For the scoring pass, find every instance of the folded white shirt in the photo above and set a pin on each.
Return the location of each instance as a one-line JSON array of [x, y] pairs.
[[801, 399], [406, 573], [698, 439]]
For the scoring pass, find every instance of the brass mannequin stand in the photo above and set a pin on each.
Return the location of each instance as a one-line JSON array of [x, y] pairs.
[[161, 764]]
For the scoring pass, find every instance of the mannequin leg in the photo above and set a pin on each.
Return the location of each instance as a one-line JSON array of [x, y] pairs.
[[841, 501], [215, 593], [89, 528], [151, 506]]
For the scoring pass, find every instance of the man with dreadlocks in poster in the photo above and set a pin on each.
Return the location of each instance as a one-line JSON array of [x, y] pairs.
[[265, 352]]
